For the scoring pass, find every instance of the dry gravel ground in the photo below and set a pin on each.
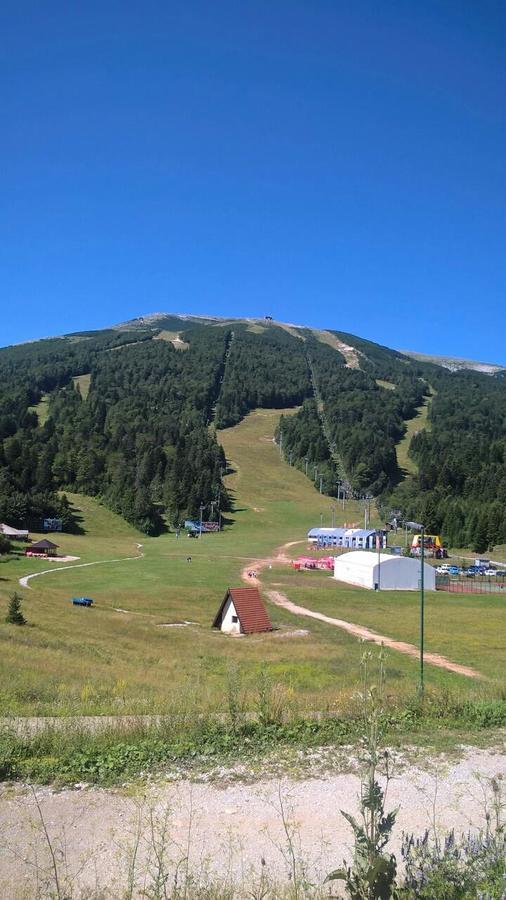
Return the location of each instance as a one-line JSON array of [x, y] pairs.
[[224, 823]]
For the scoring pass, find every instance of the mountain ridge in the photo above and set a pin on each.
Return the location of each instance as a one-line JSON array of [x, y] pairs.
[[452, 363], [150, 320]]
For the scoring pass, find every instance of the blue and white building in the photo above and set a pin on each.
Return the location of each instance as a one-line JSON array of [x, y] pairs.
[[348, 538]]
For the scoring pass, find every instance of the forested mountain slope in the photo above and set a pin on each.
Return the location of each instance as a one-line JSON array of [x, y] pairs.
[[144, 441]]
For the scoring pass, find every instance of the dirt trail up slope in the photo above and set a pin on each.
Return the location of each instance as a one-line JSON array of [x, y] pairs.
[[250, 575]]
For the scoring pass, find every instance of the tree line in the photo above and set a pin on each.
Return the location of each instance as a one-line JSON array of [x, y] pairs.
[[459, 490], [140, 441]]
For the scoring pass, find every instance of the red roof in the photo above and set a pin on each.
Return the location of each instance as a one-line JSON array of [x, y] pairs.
[[250, 610]]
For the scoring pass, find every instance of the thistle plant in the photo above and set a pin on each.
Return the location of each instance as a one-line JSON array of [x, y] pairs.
[[372, 873]]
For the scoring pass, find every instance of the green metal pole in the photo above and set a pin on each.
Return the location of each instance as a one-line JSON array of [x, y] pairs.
[[422, 610]]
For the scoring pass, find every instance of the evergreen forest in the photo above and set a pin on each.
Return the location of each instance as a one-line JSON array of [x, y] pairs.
[[131, 416]]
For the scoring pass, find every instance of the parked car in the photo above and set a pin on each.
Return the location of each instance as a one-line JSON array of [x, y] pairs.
[[473, 570], [500, 573], [454, 570], [490, 572]]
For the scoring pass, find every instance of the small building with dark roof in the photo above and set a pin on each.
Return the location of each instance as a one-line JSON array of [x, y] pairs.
[[44, 548], [242, 612]]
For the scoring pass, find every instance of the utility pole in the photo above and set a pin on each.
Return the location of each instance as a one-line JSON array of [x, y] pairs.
[[321, 483], [202, 508], [306, 460], [333, 508], [315, 472], [417, 526], [280, 443], [378, 548], [422, 608], [290, 457]]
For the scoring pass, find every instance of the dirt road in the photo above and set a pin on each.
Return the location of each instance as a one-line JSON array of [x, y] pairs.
[[225, 828], [250, 575]]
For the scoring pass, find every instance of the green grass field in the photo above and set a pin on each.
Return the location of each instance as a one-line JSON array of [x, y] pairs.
[[121, 657], [417, 423], [41, 409], [467, 628]]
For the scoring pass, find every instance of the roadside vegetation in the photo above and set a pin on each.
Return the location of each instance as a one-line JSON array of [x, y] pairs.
[[253, 725]]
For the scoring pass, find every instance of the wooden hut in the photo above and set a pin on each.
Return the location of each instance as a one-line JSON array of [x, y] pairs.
[[42, 548], [242, 612]]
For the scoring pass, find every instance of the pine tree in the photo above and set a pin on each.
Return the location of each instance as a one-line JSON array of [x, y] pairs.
[[14, 615], [5, 544]]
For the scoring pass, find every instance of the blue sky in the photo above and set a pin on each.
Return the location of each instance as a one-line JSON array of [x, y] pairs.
[[338, 164]]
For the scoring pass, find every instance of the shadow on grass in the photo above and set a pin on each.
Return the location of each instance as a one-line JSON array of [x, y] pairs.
[[75, 526]]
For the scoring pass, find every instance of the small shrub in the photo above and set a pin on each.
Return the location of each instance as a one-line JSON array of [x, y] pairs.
[[469, 866], [5, 545]]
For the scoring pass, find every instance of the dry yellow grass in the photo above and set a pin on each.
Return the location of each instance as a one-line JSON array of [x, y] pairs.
[[351, 355], [83, 383], [174, 338]]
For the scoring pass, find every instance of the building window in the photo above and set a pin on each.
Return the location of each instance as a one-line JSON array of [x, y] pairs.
[[235, 619]]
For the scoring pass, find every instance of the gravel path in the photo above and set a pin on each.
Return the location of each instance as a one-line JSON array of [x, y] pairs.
[[26, 578], [228, 827], [366, 634]]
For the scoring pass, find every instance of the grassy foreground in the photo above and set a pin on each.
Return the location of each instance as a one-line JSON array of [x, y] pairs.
[[124, 657]]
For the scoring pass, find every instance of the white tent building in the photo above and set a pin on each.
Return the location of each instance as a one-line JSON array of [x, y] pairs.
[[15, 533], [392, 573]]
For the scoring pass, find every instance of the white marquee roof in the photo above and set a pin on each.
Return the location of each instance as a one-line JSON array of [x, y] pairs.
[[370, 559]]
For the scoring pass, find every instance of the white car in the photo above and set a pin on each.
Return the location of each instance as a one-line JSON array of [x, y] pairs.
[[490, 572]]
